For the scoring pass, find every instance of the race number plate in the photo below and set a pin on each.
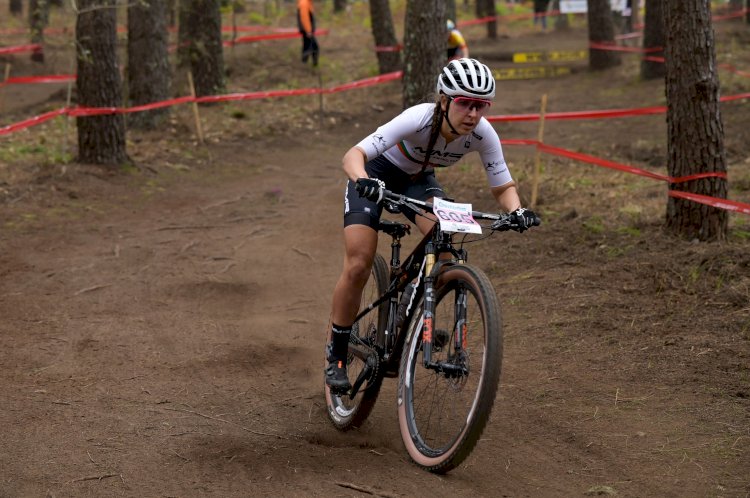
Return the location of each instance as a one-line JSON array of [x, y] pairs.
[[455, 217]]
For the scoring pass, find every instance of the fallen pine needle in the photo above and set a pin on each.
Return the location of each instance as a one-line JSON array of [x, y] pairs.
[[96, 478], [365, 489], [92, 288]]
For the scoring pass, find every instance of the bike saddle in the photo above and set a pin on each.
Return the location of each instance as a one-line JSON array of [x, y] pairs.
[[394, 228]]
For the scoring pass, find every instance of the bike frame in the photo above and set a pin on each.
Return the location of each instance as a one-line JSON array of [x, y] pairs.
[[422, 265]]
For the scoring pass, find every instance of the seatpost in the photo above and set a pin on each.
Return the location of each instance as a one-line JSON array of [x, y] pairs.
[[395, 253]]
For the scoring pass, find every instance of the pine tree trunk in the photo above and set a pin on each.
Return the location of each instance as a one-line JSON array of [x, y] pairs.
[[601, 30], [171, 13], [385, 36], [696, 132], [148, 61], [200, 45], [101, 139], [492, 25], [488, 9], [561, 21], [16, 7], [653, 37], [38, 18], [450, 10], [424, 49]]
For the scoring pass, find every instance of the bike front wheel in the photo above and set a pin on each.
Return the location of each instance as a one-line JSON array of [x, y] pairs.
[[442, 411], [344, 411]]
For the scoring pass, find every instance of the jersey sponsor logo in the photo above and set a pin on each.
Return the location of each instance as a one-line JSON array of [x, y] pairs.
[[378, 143], [496, 168], [477, 136], [437, 153]]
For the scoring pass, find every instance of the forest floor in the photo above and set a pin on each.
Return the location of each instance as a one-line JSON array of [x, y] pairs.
[[162, 325]]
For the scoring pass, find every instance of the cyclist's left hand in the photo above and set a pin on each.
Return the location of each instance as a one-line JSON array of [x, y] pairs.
[[523, 219]]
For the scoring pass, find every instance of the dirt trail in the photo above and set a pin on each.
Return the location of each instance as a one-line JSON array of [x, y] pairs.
[[162, 328]]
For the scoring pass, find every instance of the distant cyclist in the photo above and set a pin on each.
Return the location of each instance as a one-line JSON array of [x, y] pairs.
[[457, 47], [401, 156]]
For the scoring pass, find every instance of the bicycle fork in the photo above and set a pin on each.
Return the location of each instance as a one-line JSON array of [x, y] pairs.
[[453, 367]]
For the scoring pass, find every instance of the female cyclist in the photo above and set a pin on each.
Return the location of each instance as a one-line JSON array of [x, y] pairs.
[[401, 156]]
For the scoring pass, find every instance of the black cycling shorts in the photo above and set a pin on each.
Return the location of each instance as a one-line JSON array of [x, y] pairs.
[[361, 211]]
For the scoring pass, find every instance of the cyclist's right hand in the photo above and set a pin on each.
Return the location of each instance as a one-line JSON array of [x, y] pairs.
[[370, 188]]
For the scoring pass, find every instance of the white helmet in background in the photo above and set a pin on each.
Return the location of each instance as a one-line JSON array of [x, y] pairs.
[[467, 78], [450, 25]]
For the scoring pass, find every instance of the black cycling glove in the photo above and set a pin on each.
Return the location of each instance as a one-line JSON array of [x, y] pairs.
[[523, 219], [370, 188]]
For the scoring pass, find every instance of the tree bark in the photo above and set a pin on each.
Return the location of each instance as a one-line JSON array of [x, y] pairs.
[[653, 37], [486, 8], [561, 20], [696, 132], [200, 45], [424, 49], [601, 30], [101, 139], [384, 33], [172, 13], [16, 7], [148, 61], [38, 18]]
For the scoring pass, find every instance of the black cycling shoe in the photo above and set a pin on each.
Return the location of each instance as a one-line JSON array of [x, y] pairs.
[[336, 377]]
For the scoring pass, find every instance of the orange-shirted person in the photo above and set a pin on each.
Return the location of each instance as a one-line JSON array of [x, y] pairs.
[[306, 24], [457, 47]]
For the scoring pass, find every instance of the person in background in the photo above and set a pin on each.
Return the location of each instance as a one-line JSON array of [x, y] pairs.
[[306, 24], [540, 13], [457, 47], [402, 156]]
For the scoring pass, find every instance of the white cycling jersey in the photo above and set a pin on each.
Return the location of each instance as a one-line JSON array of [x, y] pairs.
[[403, 141]]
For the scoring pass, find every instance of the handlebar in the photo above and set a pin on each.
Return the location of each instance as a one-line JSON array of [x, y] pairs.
[[501, 221]]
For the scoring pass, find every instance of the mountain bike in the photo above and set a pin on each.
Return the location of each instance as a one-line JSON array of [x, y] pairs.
[[434, 322]]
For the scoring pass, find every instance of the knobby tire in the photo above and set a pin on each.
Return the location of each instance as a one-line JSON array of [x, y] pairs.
[[441, 418]]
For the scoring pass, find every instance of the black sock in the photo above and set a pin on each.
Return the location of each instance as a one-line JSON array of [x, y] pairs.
[[340, 341]]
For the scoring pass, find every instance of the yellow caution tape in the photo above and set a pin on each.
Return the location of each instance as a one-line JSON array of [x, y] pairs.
[[526, 73], [551, 56]]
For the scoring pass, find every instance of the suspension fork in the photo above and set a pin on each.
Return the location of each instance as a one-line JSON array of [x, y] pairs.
[[459, 341], [429, 305], [428, 326]]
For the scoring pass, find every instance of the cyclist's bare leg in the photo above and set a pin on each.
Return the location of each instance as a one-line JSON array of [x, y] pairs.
[[360, 244]]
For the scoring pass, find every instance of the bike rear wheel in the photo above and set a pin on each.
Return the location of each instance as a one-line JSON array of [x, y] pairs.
[[344, 411], [442, 414]]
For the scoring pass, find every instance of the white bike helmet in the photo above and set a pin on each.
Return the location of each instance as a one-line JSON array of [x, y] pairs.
[[467, 78], [450, 25]]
